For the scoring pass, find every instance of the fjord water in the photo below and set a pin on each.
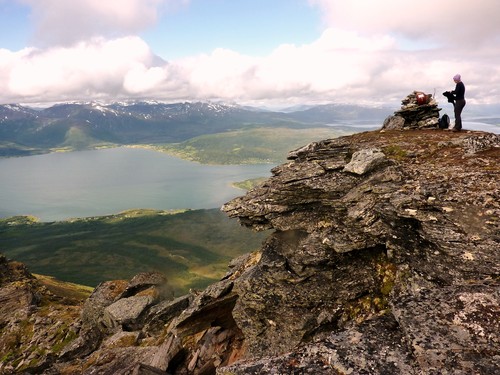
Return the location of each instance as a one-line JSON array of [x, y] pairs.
[[59, 186]]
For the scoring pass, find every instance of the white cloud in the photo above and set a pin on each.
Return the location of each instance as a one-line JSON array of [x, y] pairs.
[[360, 57], [340, 66], [140, 79], [88, 69], [444, 21], [66, 22]]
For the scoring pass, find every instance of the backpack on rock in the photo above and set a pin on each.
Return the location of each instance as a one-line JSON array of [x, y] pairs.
[[444, 122]]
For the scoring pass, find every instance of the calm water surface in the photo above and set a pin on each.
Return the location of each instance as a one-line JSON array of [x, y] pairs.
[[90, 183]]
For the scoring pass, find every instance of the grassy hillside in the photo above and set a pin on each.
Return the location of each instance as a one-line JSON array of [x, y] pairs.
[[191, 248], [249, 184], [250, 145], [246, 146], [72, 293]]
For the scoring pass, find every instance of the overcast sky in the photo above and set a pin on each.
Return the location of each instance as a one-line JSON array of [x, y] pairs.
[[256, 52]]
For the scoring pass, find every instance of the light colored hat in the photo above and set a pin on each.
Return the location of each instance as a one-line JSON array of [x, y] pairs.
[[457, 77]]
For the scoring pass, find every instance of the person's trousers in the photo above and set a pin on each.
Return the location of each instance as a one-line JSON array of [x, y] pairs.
[[459, 106]]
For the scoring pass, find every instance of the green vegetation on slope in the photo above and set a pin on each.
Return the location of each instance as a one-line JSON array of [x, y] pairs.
[[10, 149], [246, 146], [77, 139], [249, 184], [71, 292], [191, 248]]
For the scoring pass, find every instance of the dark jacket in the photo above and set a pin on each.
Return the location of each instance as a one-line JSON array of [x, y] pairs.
[[459, 91]]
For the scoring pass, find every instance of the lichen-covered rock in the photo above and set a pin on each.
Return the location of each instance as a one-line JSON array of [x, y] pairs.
[[103, 295], [163, 312], [394, 122], [154, 284], [364, 161], [376, 346], [423, 226], [122, 339], [35, 324], [126, 311], [454, 328]]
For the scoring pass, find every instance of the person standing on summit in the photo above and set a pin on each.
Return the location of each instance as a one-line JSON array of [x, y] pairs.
[[459, 94]]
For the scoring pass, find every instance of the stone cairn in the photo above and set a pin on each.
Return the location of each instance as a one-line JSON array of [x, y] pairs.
[[418, 111]]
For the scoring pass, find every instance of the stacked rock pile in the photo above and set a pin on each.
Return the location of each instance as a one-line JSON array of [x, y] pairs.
[[418, 111]]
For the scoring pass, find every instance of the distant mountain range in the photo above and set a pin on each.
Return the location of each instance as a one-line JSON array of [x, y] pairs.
[[24, 130]]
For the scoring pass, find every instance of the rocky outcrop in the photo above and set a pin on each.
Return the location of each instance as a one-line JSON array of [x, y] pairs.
[[35, 324], [378, 235], [383, 259]]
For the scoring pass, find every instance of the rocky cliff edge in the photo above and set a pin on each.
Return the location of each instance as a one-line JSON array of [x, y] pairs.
[[384, 258]]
